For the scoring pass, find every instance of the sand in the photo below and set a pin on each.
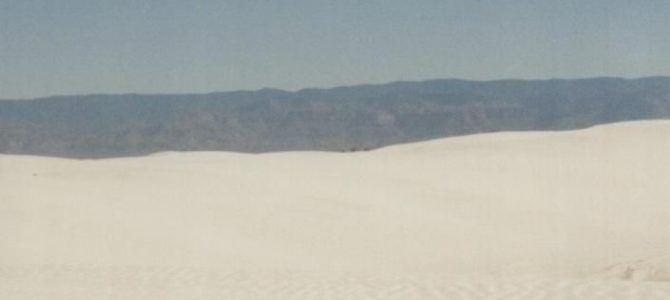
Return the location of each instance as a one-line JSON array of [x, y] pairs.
[[537, 215]]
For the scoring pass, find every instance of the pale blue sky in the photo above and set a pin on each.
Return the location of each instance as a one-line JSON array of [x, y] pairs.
[[50, 47]]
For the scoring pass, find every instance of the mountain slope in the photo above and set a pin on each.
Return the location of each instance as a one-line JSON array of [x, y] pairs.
[[339, 119]]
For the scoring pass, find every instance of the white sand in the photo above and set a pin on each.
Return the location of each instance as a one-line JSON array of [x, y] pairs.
[[570, 215]]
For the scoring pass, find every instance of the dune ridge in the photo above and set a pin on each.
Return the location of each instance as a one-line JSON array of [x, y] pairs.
[[515, 215]]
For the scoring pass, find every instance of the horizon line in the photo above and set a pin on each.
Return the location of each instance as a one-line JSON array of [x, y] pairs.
[[345, 86]]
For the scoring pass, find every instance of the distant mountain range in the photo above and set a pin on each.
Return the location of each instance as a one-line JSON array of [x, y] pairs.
[[337, 119]]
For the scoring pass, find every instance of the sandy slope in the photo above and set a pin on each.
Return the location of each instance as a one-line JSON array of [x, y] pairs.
[[570, 215]]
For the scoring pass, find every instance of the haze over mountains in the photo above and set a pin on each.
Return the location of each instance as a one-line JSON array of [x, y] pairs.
[[337, 119]]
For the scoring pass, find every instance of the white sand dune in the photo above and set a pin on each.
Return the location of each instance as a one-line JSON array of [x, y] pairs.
[[538, 215]]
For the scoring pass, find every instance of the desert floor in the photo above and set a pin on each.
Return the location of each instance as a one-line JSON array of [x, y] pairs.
[[536, 215]]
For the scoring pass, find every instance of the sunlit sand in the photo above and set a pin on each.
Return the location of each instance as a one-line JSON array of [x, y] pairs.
[[537, 215]]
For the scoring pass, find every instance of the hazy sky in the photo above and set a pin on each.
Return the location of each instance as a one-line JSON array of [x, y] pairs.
[[52, 47]]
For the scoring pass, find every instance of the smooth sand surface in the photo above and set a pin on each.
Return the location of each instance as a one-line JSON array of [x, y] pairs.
[[538, 215]]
